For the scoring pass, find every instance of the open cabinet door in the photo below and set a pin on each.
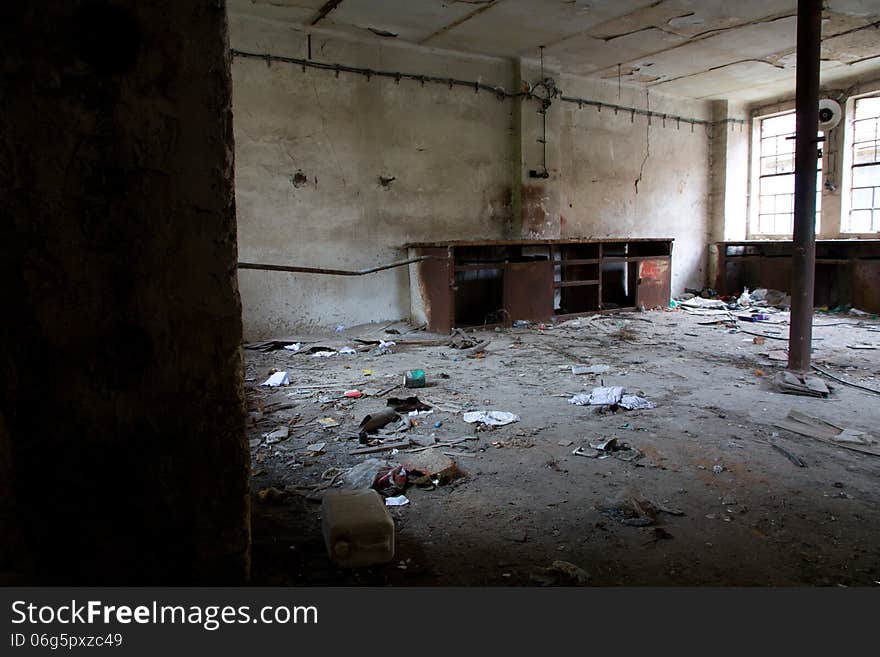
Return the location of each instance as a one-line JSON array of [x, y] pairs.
[[653, 283]]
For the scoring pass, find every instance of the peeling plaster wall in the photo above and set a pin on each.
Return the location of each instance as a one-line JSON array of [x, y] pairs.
[[311, 147], [602, 155], [310, 151]]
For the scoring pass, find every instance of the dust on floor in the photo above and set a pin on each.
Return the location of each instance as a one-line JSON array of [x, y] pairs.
[[749, 515]]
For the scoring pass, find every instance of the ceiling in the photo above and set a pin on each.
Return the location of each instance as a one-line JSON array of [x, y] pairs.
[[742, 50]]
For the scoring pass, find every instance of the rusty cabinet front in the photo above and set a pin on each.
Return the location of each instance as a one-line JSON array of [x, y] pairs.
[[488, 283], [653, 283], [528, 290]]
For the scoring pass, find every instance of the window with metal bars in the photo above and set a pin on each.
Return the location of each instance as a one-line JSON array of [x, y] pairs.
[[864, 213], [775, 214]]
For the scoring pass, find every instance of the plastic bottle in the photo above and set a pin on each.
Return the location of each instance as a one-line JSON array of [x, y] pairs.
[[358, 530]]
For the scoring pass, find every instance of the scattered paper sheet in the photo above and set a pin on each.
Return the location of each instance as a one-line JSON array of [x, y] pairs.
[[590, 369], [277, 379], [605, 396], [281, 433], [635, 403], [493, 418], [399, 500]]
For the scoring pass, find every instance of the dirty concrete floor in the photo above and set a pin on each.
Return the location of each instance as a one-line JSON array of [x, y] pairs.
[[527, 501]]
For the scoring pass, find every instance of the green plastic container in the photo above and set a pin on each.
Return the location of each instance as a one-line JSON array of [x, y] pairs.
[[414, 379]]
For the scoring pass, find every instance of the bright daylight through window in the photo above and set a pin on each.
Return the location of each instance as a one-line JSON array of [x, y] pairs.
[[776, 177], [864, 214]]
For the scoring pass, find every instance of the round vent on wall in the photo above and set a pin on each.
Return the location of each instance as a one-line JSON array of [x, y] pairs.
[[829, 114]]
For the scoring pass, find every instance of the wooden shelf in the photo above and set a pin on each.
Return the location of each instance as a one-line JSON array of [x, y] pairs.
[[536, 280], [587, 261], [481, 266], [559, 284]]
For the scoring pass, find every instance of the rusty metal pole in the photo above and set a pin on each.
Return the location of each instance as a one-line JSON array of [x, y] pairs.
[[803, 265]]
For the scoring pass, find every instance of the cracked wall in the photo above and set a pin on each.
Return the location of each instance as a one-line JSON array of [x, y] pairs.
[[621, 176], [341, 171]]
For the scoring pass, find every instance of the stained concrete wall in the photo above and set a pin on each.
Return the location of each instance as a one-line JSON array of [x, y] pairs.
[[623, 177], [310, 151], [311, 147], [122, 450]]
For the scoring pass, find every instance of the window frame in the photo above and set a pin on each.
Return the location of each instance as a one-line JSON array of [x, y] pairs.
[[848, 165], [756, 177]]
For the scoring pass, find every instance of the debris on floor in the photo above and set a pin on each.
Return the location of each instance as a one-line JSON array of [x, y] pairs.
[[277, 379], [391, 480], [414, 379], [613, 397], [636, 511], [608, 447], [372, 449], [461, 340], [281, 433], [562, 573], [375, 421], [814, 427], [365, 473], [772, 298], [635, 403], [490, 418], [701, 306], [357, 528], [383, 348], [794, 458], [800, 384], [590, 369], [407, 405], [434, 464], [272, 345], [706, 444], [606, 396]]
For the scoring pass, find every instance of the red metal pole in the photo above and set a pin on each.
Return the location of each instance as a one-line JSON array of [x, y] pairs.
[[803, 266]]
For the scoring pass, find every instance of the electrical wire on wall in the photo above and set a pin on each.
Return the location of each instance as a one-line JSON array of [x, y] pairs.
[[544, 90]]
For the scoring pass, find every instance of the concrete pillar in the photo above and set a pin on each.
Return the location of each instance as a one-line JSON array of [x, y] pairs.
[[123, 457], [803, 263], [717, 184], [729, 171]]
